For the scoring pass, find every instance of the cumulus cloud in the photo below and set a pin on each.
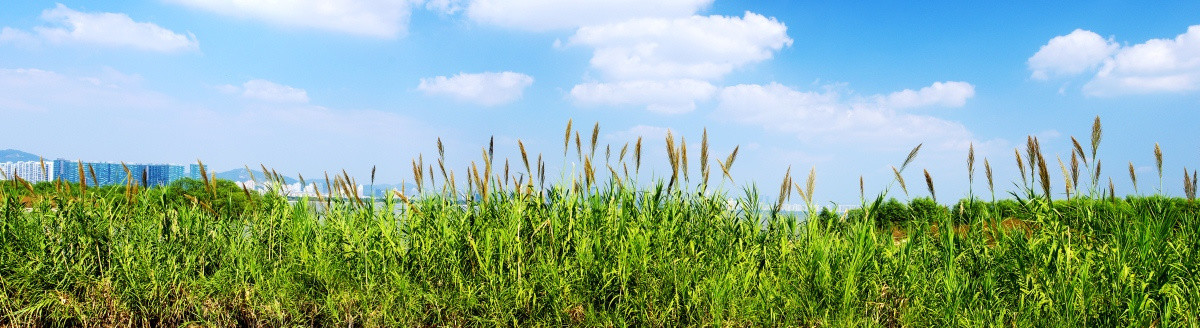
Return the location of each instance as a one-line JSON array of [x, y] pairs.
[[824, 116], [104, 29], [274, 92], [668, 97], [1154, 66], [542, 15], [699, 47], [945, 94], [371, 18], [487, 89], [1071, 54], [667, 64]]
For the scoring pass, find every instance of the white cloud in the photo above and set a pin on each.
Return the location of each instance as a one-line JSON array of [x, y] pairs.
[[667, 64], [105, 29], [668, 97], [444, 6], [372, 18], [34, 90], [946, 94], [699, 47], [487, 89], [271, 91], [1158, 65], [827, 116], [542, 15], [1070, 54], [18, 37], [1154, 66]]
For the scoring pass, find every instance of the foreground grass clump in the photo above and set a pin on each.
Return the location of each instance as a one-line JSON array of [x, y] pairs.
[[588, 254], [609, 257]]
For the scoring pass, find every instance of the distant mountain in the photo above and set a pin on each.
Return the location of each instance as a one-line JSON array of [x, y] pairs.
[[13, 155], [243, 175]]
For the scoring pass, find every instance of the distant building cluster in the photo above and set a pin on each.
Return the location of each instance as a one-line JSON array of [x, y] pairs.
[[291, 189], [103, 174], [32, 171], [94, 173]]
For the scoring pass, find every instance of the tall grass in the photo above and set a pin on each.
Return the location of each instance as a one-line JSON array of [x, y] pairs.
[[591, 252]]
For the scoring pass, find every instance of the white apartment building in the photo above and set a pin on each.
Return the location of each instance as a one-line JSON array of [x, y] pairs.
[[31, 171]]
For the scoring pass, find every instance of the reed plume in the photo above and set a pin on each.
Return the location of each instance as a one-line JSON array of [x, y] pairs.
[[929, 183], [1158, 163], [673, 158], [1066, 177], [1194, 181], [987, 169], [588, 172], [783, 189], [1112, 191], [637, 156], [1074, 169], [1096, 132], [900, 178], [417, 175], [912, 154], [525, 159], [704, 156], [322, 199], [1133, 178], [729, 163], [683, 158], [1079, 149], [491, 148], [578, 147], [862, 195], [1020, 166], [1187, 185], [624, 149], [1043, 174], [567, 138], [806, 193], [441, 150], [1032, 151], [595, 135], [971, 163], [328, 188]]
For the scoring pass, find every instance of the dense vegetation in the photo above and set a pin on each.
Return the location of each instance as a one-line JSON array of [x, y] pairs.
[[589, 253]]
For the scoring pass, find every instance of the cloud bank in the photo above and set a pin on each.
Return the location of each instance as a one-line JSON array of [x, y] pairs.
[[487, 88], [1154, 66], [117, 30]]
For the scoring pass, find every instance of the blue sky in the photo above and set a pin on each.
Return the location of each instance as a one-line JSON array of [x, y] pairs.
[[310, 86]]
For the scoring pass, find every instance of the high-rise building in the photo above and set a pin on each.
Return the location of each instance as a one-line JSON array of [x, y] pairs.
[[32, 171], [102, 174], [66, 170], [194, 171]]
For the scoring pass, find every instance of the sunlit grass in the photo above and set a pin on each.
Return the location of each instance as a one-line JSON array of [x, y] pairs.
[[591, 250]]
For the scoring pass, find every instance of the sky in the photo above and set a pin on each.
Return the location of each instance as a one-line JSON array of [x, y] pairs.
[[845, 88]]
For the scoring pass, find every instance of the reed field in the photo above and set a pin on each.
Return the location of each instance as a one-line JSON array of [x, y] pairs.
[[501, 245]]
